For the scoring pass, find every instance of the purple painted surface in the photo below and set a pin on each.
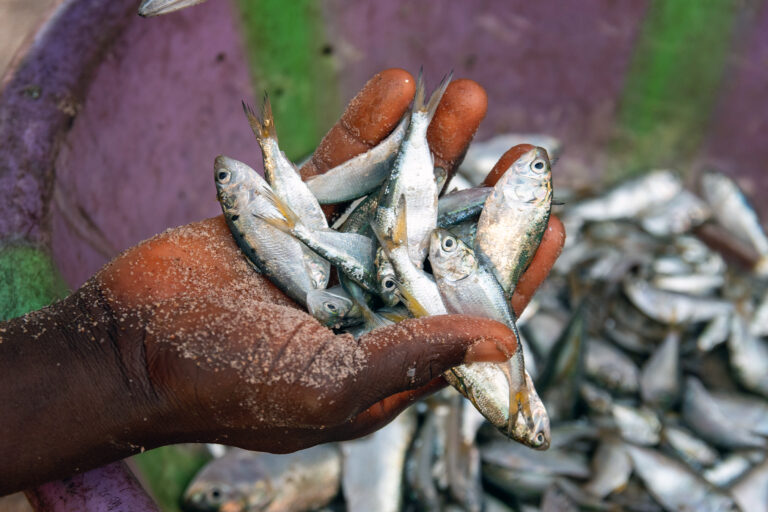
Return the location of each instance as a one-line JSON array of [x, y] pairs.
[[737, 142], [111, 488], [548, 66], [38, 102], [139, 157]]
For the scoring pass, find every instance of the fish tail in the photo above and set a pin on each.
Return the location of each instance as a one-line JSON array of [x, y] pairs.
[[418, 99], [281, 217], [437, 95], [263, 126]]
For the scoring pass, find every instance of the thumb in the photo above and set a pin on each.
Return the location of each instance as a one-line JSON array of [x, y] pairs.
[[412, 353]]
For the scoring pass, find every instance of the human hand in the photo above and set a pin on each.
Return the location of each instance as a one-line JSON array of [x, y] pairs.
[[207, 350]]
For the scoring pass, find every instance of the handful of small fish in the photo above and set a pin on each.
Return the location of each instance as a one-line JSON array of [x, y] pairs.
[[647, 348]]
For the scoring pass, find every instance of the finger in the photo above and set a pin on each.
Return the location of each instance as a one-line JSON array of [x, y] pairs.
[[386, 410], [456, 120], [411, 353], [506, 160], [549, 249], [368, 119]]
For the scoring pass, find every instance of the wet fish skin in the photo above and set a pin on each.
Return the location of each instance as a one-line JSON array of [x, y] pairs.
[[748, 356], [372, 476], [729, 469], [277, 255], [461, 206], [611, 469], [149, 8], [412, 180], [715, 333], [683, 212], [333, 307], [747, 411], [701, 413], [660, 376], [361, 174], [640, 426], [676, 486], [248, 481], [468, 288], [692, 450], [610, 367], [673, 308], [734, 212], [514, 218]]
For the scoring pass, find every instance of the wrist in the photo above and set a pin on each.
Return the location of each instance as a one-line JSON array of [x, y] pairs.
[[75, 389]]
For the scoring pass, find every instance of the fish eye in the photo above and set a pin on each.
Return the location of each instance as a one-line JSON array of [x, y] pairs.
[[449, 244], [223, 176], [538, 165], [215, 495], [388, 284], [539, 438], [330, 307]]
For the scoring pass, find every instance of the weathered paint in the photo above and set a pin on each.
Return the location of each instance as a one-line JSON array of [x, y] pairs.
[[291, 60], [671, 87], [28, 280], [139, 157], [548, 66]]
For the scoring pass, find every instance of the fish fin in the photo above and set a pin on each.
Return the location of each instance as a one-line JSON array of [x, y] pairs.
[[418, 98], [413, 305], [263, 127], [437, 95], [400, 231], [373, 319], [282, 217]]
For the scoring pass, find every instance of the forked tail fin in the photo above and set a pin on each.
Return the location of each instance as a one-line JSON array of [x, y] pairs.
[[263, 126]]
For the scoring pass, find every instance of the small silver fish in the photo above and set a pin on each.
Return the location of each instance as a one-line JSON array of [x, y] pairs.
[[732, 467], [482, 156], [692, 450], [660, 376], [747, 411], [372, 476], [733, 211], [692, 284], [461, 206], [244, 481], [639, 426], [715, 333], [676, 486], [673, 308], [352, 254], [748, 356], [611, 469], [333, 307], [279, 256], [468, 288], [680, 214], [514, 218], [149, 8], [703, 415], [361, 174], [610, 367], [411, 189]]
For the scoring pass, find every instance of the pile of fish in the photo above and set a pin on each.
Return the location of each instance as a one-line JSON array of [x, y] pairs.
[[647, 348]]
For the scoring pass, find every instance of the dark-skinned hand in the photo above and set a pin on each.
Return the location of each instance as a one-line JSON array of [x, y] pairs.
[[180, 340]]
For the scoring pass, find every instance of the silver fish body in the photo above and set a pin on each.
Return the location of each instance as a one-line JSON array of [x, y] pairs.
[[277, 255], [715, 333], [461, 206], [412, 180], [683, 212], [333, 307], [660, 376], [246, 481], [673, 308], [467, 288], [748, 356], [372, 476], [703, 415], [640, 426], [610, 367], [732, 210], [751, 491], [728, 470], [676, 486], [612, 468], [514, 218], [361, 174], [747, 411], [692, 450], [385, 276], [149, 8]]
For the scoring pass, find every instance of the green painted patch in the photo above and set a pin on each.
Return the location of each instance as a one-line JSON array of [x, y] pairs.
[[291, 59], [29, 280], [169, 469], [672, 83]]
